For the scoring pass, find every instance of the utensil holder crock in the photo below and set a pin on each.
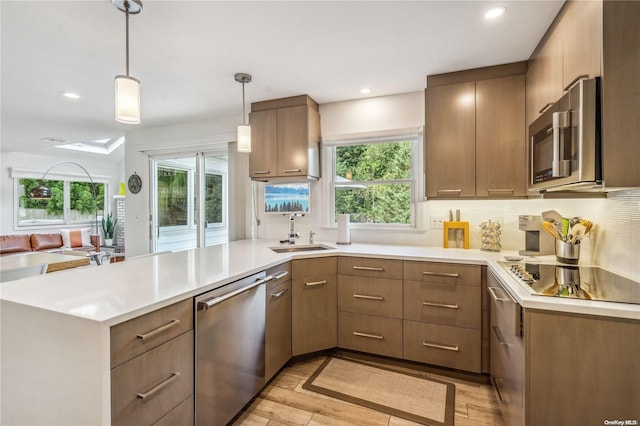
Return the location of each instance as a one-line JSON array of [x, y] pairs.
[[567, 252]]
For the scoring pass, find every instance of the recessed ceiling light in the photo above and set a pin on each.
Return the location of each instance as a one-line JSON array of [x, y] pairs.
[[365, 90], [70, 95], [495, 12]]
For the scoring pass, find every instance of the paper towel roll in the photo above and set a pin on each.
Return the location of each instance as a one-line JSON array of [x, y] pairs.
[[344, 234]]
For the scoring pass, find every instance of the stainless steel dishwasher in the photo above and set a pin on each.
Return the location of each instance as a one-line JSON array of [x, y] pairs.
[[229, 348]]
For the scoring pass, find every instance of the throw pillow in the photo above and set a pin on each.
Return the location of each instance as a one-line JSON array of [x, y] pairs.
[[76, 237]]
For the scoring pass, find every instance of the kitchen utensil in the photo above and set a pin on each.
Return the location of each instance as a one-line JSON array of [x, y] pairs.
[[551, 229], [576, 233], [552, 216], [564, 228], [459, 232], [588, 225]]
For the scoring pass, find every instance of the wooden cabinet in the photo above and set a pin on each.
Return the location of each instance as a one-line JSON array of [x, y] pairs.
[[450, 136], [549, 72], [314, 305], [152, 361], [278, 320], [475, 133], [370, 305], [507, 352], [500, 137], [442, 321], [285, 138]]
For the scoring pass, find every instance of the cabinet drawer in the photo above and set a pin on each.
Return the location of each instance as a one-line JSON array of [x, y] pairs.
[[370, 267], [152, 384], [312, 268], [182, 415], [281, 274], [442, 345], [368, 333], [373, 296], [458, 306], [443, 273], [138, 335], [504, 313]]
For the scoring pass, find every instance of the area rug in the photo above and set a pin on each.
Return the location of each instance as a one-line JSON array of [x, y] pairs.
[[405, 395]]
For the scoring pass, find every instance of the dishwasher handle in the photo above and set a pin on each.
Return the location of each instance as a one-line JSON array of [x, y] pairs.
[[210, 303]]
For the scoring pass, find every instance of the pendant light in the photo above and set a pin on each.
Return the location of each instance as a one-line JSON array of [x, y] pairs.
[[244, 130], [127, 88]]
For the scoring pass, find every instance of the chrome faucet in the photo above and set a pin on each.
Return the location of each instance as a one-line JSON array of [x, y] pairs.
[[311, 234], [292, 229]]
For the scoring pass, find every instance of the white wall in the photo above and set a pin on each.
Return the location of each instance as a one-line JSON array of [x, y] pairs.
[[186, 137], [94, 165]]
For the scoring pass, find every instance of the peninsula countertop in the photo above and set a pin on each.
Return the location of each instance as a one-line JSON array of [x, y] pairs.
[[113, 293]]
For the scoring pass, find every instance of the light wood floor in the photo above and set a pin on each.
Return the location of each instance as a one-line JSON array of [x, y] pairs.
[[284, 402]]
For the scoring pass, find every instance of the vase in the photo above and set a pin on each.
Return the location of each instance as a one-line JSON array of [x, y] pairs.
[[108, 241]]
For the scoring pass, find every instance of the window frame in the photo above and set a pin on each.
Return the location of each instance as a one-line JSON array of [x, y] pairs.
[[16, 174], [415, 181]]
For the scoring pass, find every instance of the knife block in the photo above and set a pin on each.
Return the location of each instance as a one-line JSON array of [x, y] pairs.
[[456, 227]]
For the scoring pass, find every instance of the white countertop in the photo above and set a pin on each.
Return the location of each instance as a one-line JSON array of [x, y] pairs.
[[116, 292]]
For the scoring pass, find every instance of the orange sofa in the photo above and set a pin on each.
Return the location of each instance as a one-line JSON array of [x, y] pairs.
[[20, 243]]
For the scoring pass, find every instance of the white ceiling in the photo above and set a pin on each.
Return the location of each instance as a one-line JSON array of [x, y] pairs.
[[186, 52]]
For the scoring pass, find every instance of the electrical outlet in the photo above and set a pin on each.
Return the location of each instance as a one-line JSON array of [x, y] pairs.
[[437, 222]]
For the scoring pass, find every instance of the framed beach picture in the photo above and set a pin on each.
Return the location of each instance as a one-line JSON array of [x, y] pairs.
[[286, 198]]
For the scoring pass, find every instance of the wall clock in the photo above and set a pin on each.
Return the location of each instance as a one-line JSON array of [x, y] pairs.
[[134, 183]]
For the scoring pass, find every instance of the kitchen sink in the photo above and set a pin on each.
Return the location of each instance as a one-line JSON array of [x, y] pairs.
[[296, 248]]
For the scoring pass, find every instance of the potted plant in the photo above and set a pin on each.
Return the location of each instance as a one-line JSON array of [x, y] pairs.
[[109, 228]]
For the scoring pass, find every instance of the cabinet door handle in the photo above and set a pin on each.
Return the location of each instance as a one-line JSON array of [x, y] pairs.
[[262, 172], [158, 330], [435, 345], [501, 191], [314, 283], [546, 107], [449, 191], [498, 334], [441, 305], [575, 80], [494, 296], [441, 274], [496, 384], [370, 336], [280, 274], [364, 296], [279, 294], [368, 268], [159, 386], [292, 170]]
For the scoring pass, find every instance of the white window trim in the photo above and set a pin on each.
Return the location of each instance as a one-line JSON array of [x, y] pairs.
[[17, 173], [415, 135]]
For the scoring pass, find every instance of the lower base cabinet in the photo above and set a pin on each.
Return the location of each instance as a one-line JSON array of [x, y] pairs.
[[277, 339], [371, 334], [182, 415]]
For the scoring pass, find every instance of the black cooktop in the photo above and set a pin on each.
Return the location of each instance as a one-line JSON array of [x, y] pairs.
[[577, 282]]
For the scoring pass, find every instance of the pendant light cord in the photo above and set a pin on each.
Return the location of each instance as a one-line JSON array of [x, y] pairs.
[[244, 113], [126, 11]]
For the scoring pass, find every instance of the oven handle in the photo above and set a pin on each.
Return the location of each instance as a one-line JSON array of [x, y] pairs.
[[560, 166]]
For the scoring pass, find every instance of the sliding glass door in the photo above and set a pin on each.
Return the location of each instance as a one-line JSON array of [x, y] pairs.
[[190, 201]]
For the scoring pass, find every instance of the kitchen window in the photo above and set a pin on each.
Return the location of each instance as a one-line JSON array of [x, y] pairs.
[[72, 202], [374, 180]]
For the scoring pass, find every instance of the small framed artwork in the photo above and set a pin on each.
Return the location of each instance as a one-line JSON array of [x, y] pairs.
[[286, 198]]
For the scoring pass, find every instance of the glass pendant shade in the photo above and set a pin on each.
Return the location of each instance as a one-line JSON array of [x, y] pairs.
[[40, 192], [244, 138], [127, 100]]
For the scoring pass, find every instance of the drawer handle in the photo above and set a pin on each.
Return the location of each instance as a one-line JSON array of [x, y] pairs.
[[449, 191], [368, 268], [280, 274], [370, 336], [441, 305], [496, 384], [492, 291], [314, 283], [441, 274], [279, 294], [292, 171], [364, 296], [501, 191], [159, 386], [546, 107], [446, 348], [498, 334], [158, 330], [262, 172]]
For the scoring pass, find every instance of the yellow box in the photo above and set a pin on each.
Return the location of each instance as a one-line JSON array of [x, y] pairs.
[[456, 226]]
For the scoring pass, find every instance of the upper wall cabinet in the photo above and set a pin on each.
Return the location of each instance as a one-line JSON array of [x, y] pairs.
[[285, 139], [475, 133]]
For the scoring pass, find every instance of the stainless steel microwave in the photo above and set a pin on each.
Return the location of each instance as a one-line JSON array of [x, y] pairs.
[[564, 142]]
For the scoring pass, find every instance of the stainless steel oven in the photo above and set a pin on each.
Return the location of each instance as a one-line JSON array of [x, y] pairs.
[[564, 142]]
